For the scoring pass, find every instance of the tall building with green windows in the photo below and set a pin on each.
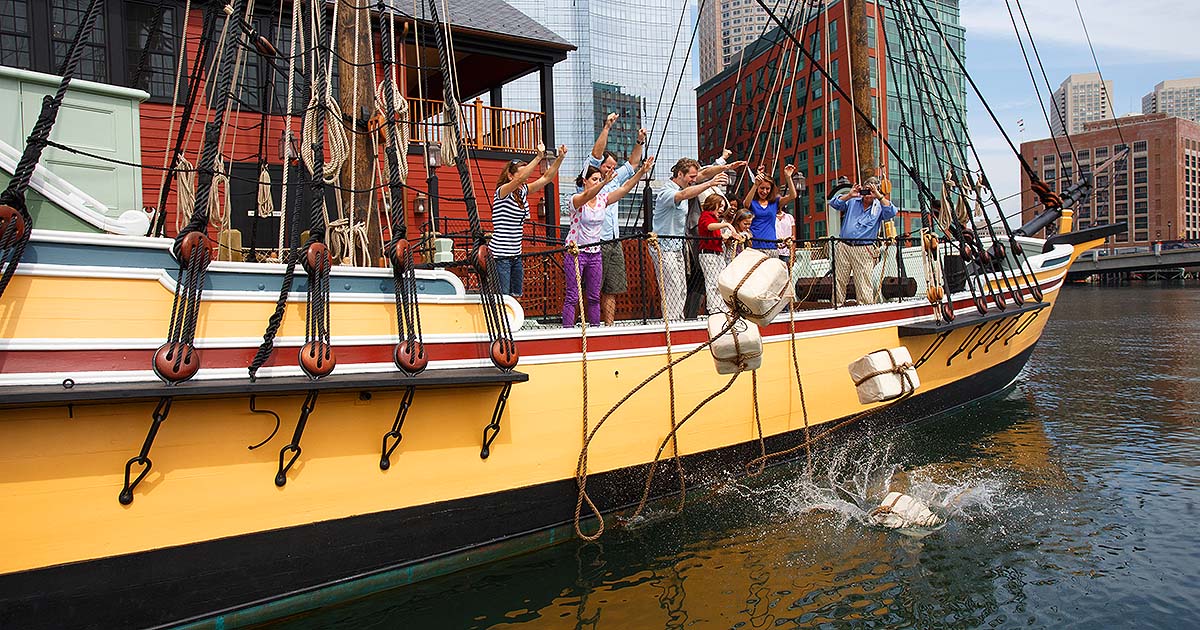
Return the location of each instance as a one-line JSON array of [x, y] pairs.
[[926, 95], [773, 106]]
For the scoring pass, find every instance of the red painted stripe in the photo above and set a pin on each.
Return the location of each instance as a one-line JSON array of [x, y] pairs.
[[36, 361]]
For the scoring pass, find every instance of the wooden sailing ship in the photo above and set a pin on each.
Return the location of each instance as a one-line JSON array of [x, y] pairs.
[[412, 426]]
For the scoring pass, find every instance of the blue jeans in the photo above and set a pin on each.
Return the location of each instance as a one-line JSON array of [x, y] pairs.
[[510, 275]]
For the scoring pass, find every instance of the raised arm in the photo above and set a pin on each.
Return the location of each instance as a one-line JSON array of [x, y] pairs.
[[523, 173], [602, 139], [635, 156], [750, 191], [589, 192], [842, 203], [629, 184], [551, 171], [788, 170], [886, 209], [696, 189]]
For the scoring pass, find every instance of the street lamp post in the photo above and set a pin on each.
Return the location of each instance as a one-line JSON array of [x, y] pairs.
[[433, 159]]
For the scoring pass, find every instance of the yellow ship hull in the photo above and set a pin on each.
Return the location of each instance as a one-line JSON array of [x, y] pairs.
[[210, 536]]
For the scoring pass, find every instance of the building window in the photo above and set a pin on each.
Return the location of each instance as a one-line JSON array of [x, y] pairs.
[[834, 115], [1139, 146], [14, 34], [65, 18], [37, 36], [149, 35], [816, 122], [1139, 162], [833, 35]]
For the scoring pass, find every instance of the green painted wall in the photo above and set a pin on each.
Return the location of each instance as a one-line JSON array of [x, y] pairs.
[[97, 118], [48, 215]]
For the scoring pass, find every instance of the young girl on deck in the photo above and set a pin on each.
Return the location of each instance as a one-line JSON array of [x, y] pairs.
[[510, 211], [714, 223], [764, 201], [587, 218]]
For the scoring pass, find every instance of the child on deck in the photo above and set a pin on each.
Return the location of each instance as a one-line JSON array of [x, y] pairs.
[[714, 223], [737, 237], [588, 209]]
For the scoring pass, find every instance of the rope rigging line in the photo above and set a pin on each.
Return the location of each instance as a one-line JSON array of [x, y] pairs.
[[932, 99], [409, 354], [289, 220], [170, 156], [16, 224], [978, 93], [1037, 90], [316, 356], [176, 360], [1024, 267], [502, 349], [737, 90], [662, 136], [934, 281], [1096, 62], [924, 188]]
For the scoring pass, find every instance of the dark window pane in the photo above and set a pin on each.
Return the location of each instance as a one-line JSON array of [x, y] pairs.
[[65, 18], [152, 48], [14, 34]]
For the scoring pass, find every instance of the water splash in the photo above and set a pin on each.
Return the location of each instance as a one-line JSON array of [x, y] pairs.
[[851, 483]]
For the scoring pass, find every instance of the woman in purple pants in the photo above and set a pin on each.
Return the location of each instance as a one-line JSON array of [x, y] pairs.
[[587, 218]]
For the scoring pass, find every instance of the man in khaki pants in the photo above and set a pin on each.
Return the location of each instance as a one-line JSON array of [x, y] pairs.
[[864, 209]]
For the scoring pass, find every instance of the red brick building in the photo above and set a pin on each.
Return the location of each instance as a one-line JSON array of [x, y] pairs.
[[779, 109], [1155, 189]]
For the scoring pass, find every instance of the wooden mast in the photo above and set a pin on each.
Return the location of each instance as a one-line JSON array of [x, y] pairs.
[[860, 73], [356, 76]]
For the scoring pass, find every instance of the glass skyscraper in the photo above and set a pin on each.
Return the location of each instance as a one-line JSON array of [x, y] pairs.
[[930, 114], [623, 62]]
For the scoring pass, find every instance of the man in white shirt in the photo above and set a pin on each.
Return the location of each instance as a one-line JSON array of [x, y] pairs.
[[670, 219]]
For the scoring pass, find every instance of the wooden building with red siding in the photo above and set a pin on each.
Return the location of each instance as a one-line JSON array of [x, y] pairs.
[[137, 44]]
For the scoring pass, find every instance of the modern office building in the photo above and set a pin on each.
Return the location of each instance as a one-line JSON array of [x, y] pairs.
[[779, 106], [626, 60], [1177, 97], [1081, 98], [1155, 189]]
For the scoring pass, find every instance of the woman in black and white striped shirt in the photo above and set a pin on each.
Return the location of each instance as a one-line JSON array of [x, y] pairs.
[[510, 210]]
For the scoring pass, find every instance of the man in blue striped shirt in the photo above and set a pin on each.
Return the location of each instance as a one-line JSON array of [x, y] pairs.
[[864, 209]]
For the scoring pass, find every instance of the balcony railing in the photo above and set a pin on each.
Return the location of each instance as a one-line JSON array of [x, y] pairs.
[[485, 127]]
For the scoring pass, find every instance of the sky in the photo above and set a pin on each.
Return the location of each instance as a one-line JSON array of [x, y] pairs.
[[1138, 44]]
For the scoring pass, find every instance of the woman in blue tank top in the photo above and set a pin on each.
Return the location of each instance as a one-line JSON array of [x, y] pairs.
[[763, 200]]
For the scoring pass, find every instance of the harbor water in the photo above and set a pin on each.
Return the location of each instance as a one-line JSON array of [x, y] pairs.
[[1071, 500]]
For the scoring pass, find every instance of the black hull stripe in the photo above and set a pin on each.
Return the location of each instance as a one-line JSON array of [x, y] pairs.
[[254, 577]]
